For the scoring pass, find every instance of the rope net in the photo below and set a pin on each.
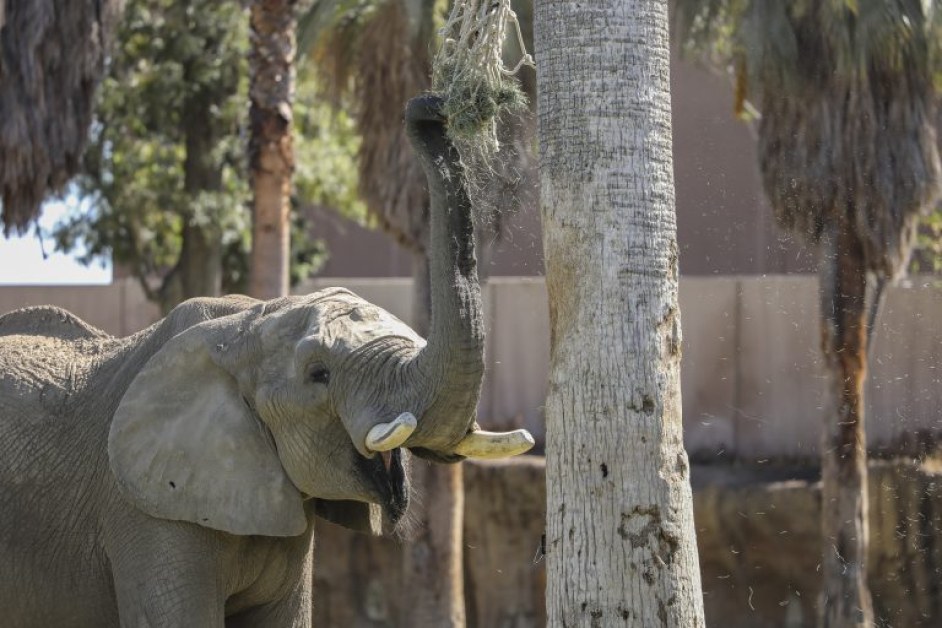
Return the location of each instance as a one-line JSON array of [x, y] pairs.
[[468, 72]]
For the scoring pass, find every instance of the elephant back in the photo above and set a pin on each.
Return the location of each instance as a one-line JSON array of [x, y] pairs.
[[50, 321]]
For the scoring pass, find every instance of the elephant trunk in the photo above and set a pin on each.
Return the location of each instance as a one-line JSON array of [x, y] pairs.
[[451, 366]]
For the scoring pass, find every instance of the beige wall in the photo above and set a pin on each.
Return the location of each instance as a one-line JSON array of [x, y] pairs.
[[752, 377], [119, 308]]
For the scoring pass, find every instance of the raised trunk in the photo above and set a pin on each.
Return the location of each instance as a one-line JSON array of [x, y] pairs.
[[844, 322], [421, 294], [452, 364], [271, 152], [620, 538]]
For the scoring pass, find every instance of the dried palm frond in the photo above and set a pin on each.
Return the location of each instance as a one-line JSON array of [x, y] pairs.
[[392, 67], [846, 95], [52, 55], [371, 58]]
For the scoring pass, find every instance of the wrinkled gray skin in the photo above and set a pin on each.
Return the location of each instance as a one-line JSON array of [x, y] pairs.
[[171, 478]]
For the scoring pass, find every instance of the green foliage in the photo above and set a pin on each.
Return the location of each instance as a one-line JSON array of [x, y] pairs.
[[326, 146], [170, 61], [168, 149], [927, 257]]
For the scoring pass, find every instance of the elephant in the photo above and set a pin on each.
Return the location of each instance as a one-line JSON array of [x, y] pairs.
[[171, 477]]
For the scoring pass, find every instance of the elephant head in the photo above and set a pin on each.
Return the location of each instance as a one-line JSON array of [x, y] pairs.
[[237, 421]]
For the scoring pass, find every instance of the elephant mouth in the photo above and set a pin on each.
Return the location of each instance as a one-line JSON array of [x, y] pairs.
[[388, 475]]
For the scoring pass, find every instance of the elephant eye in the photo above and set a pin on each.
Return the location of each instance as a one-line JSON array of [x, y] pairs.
[[318, 374]]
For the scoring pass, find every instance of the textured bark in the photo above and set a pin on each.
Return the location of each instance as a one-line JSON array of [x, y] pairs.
[[845, 598], [620, 537], [201, 258], [271, 150], [198, 271], [432, 561]]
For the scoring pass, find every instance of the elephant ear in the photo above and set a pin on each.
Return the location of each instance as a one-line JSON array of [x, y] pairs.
[[184, 445], [357, 516]]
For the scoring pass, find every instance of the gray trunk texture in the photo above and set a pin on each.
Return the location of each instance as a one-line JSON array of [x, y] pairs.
[[620, 542], [452, 364]]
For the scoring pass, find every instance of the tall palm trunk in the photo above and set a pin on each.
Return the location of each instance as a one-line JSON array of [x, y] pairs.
[[433, 559], [845, 317], [198, 271], [621, 548], [201, 258], [271, 150]]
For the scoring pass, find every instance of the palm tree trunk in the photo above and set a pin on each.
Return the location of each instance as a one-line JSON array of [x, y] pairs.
[[198, 271], [432, 561], [844, 325], [201, 258], [620, 540], [271, 151]]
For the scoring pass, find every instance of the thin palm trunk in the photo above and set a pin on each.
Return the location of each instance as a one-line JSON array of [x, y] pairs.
[[201, 258], [271, 151], [845, 321], [432, 561], [198, 271], [621, 547]]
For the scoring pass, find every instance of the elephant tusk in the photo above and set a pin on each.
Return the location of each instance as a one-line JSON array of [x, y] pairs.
[[481, 444], [387, 436]]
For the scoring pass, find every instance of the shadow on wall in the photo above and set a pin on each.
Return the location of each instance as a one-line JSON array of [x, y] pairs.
[[758, 535]]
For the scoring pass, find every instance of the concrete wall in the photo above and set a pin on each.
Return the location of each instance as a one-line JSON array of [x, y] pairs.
[[758, 535], [752, 378], [119, 308]]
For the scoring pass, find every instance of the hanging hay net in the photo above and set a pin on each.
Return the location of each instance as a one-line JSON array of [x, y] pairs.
[[469, 73]]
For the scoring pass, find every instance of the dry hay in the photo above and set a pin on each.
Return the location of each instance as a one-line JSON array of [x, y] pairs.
[[481, 98], [51, 60], [469, 72]]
